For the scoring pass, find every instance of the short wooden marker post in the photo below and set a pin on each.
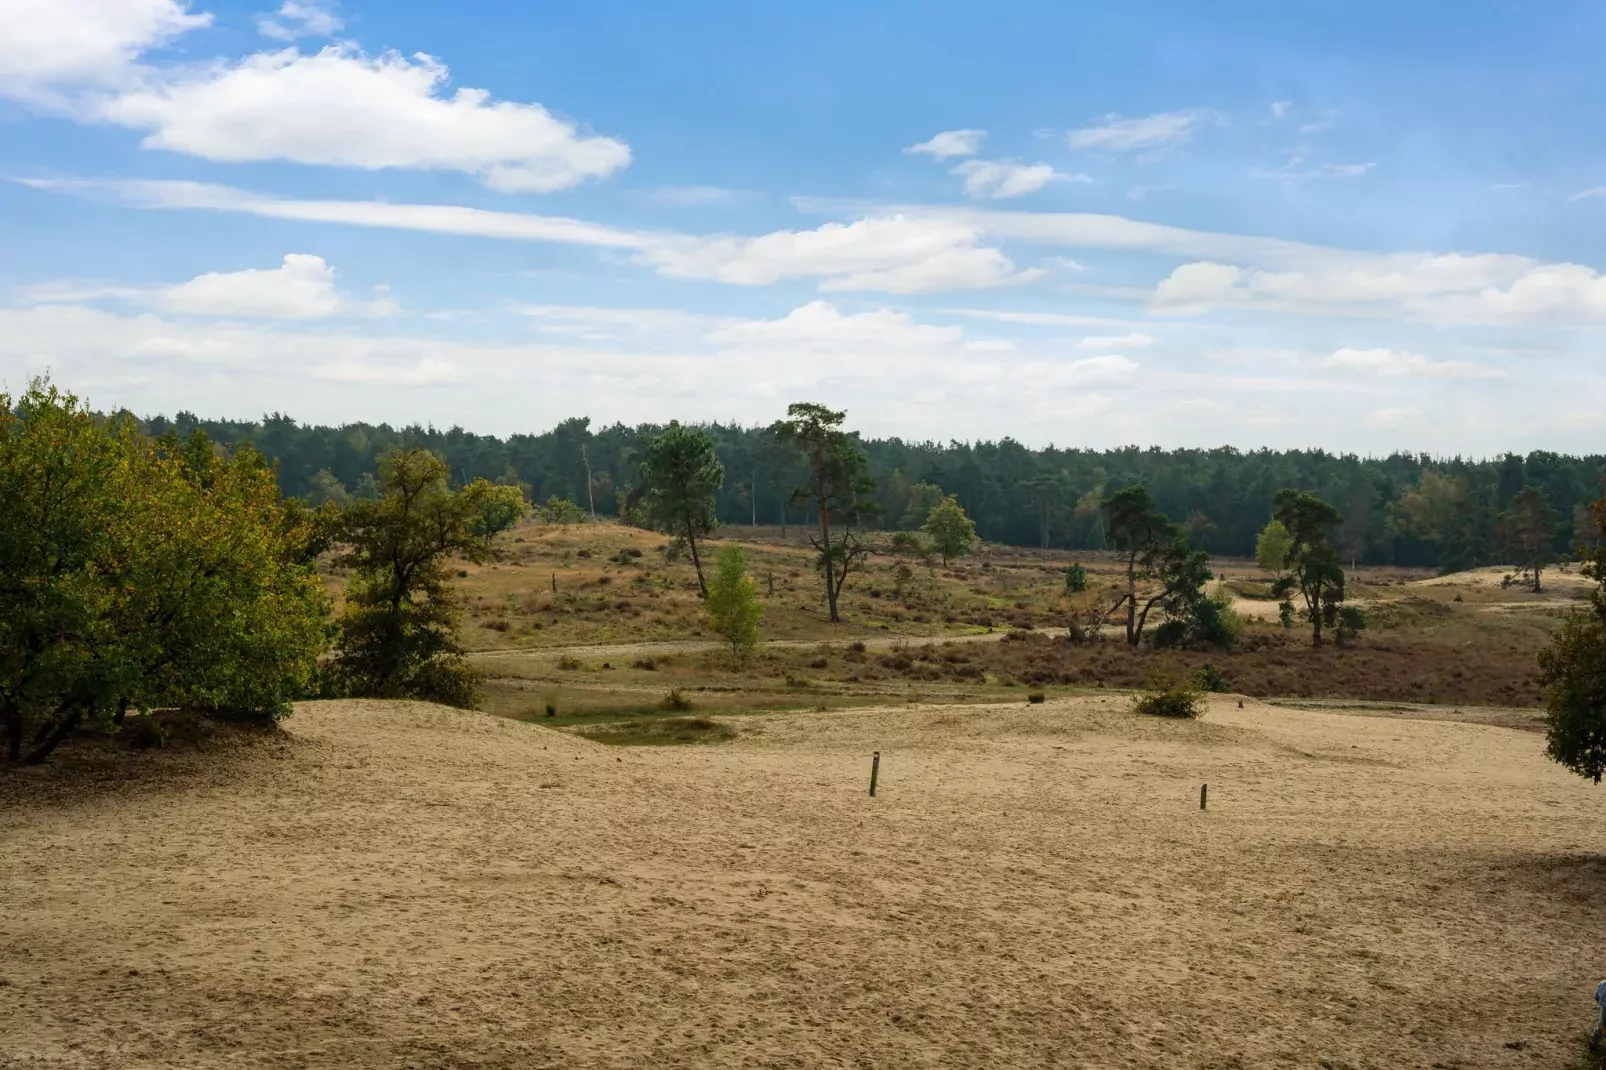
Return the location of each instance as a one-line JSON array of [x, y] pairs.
[[875, 771], [1204, 795]]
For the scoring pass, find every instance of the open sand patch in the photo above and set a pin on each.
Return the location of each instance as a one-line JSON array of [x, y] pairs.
[[1034, 886]]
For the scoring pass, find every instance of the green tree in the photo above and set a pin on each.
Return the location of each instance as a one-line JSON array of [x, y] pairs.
[[839, 487], [1271, 547], [398, 634], [1140, 535], [952, 532], [1315, 571], [1075, 578], [683, 477], [1193, 617], [923, 498], [499, 508], [138, 574], [734, 610], [1573, 670], [1529, 526], [327, 488]]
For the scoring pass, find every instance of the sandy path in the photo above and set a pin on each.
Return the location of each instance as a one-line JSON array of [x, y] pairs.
[[692, 646], [405, 885]]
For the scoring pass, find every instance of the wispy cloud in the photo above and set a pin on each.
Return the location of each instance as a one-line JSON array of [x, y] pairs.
[[1586, 194], [1001, 179], [1158, 131], [950, 143]]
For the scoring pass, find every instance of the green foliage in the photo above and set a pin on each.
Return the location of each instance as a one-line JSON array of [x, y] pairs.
[[498, 508], [398, 634], [952, 532], [1208, 678], [683, 476], [1315, 571], [734, 610], [676, 700], [1528, 532], [923, 498], [1169, 699], [1075, 579], [839, 488], [1272, 546], [1141, 536], [1404, 509], [136, 574], [1573, 670], [557, 510]]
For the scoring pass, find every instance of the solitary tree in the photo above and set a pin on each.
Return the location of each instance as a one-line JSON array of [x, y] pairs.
[[683, 477], [1315, 572], [839, 487], [1573, 669], [732, 603], [1271, 547], [952, 532], [398, 634], [498, 508], [1139, 533], [1529, 525]]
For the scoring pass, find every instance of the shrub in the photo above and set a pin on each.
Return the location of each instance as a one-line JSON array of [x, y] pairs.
[[1036, 697], [551, 709], [857, 646], [732, 604], [569, 663], [1208, 678], [1075, 579], [1170, 700], [676, 700], [646, 664]]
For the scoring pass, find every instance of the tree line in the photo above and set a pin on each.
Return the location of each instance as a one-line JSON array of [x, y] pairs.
[[144, 570], [1405, 509]]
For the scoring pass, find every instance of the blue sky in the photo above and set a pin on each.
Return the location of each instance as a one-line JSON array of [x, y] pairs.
[[1362, 227]]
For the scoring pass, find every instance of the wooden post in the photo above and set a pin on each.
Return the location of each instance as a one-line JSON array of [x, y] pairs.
[[1204, 795], [554, 583], [875, 771]]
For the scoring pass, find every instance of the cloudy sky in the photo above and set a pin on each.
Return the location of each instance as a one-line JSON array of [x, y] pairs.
[[1364, 226]]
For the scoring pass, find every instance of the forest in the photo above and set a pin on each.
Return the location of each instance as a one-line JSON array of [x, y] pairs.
[[1405, 509]]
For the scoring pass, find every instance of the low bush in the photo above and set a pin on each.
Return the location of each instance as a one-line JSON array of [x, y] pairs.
[[1036, 697], [677, 700], [569, 663], [1170, 700]]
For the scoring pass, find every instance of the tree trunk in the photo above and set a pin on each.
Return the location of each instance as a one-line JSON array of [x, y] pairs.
[[1131, 602], [590, 498], [1316, 618], [53, 739], [691, 541]]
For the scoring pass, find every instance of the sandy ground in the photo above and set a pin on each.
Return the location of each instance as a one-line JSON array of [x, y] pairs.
[[403, 885], [1559, 579]]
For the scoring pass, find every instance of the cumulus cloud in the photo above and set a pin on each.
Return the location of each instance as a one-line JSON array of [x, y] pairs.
[[1158, 131], [341, 107], [301, 288], [1393, 416], [426, 372], [1280, 108], [950, 143], [47, 46], [819, 326], [299, 18], [1000, 179], [1400, 364]]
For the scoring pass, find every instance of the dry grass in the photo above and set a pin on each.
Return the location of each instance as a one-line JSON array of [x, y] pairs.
[[404, 885]]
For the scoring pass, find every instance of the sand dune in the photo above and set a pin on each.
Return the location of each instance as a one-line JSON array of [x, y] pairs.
[[405, 885]]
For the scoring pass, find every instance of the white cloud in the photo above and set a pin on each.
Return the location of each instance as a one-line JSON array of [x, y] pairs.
[[1347, 170], [818, 326], [1280, 108], [594, 323], [50, 45], [1157, 131], [1399, 364], [300, 18], [1000, 179], [950, 143], [1448, 288], [1586, 194], [890, 254], [694, 196], [302, 288], [1135, 340], [340, 107]]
